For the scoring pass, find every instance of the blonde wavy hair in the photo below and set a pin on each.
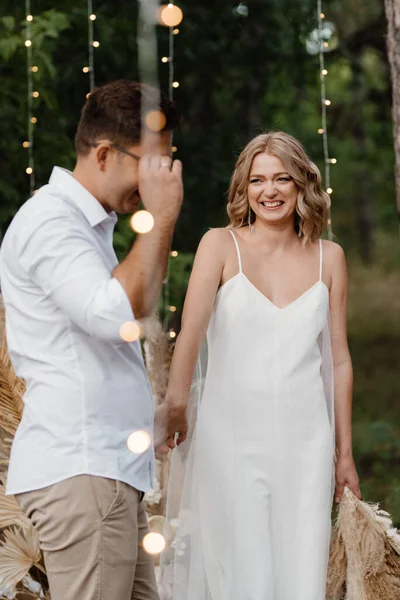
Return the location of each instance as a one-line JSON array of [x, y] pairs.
[[313, 203]]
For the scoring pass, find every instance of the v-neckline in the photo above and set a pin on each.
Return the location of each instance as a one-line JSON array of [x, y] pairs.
[[260, 293]]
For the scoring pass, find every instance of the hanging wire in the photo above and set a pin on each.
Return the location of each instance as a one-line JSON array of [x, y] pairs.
[[29, 76], [91, 19], [324, 101]]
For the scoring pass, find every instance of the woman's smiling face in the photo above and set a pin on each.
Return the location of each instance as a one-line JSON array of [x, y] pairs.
[[272, 192]]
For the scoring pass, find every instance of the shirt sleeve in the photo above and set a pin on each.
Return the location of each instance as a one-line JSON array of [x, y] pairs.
[[59, 256]]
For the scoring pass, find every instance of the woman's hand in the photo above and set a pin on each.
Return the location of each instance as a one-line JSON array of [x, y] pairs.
[[346, 476]]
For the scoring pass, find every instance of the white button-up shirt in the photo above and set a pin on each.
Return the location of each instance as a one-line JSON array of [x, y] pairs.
[[86, 389]]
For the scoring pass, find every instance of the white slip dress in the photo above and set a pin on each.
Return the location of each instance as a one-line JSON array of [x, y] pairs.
[[249, 515]]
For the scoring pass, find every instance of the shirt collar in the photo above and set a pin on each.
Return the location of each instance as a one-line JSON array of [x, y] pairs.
[[85, 201]]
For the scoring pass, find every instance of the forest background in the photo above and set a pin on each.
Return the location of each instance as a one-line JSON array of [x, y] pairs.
[[242, 68]]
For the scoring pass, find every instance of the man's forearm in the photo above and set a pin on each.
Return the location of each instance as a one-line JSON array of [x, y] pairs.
[[143, 271]]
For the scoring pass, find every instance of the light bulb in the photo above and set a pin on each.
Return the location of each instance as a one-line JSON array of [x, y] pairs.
[[96, 44], [138, 442], [174, 253], [328, 102], [326, 45], [28, 43], [172, 309], [165, 59], [129, 331], [175, 31], [34, 120], [29, 171], [25, 144], [174, 149], [329, 190], [333, 161], [35, 69], [320, 131], [155, 120], [154, 543], [322, 15], [35, 94], [86, 69], [170, 15], [324, 72], [142, 221], [29, 18], [175, 84], [92, 17], [172, 334]]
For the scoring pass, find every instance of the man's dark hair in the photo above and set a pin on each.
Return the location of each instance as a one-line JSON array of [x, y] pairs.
[[113, 111]]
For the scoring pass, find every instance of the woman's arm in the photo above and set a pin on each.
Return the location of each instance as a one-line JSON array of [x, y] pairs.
[[346, 474], [203, 286]]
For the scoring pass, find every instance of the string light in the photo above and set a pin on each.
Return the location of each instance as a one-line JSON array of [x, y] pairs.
[[172, 334], [91, 44], [170, 16], [324, 104], [30, 69], [172, 309], [154, 543], [138, 442], [142, 221], [174, 253], [129, 331]]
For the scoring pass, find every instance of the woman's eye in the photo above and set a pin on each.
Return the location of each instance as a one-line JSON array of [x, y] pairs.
[[284, 179], [254, 180]]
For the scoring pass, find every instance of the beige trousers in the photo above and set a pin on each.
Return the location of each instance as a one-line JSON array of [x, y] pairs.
[[91, 531]]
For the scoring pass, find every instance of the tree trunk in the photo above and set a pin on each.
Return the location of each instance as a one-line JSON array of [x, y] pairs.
[[392, 8]]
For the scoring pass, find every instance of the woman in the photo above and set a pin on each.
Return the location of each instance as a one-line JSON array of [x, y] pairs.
[[254, 520]]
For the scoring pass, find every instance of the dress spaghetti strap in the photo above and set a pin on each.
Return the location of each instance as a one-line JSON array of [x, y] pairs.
[[238, 251], [320, 260]]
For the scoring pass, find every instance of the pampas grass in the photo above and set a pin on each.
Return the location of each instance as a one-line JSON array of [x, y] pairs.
[[19, 549], [364, 561]]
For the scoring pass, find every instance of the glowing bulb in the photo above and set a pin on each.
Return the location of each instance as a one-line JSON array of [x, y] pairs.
[[28, 43], [155, 120], [29, 171], [29, 18], [320, 131], [326, 45], [25, 144], [171, 15], [34, 120], [165, 59], [328, 102], [174, 149], [153, 543], [174, 253], [35, 69], [86, 69], [36, 94], [329, 190], [172, 309], [322, 15], [96, 44], [175, 31], [138, 442], [92, 17], [142, 221], [172, 334], [175, 84], [333, 161], [324, 72], [129, 331]]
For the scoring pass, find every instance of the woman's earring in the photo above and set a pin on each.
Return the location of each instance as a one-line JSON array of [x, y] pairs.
[[251, 226]]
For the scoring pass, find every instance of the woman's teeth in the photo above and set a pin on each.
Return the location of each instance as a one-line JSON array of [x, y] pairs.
[[272, 204]]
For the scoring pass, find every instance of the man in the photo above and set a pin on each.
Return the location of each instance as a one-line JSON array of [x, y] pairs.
[[66, 298]]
